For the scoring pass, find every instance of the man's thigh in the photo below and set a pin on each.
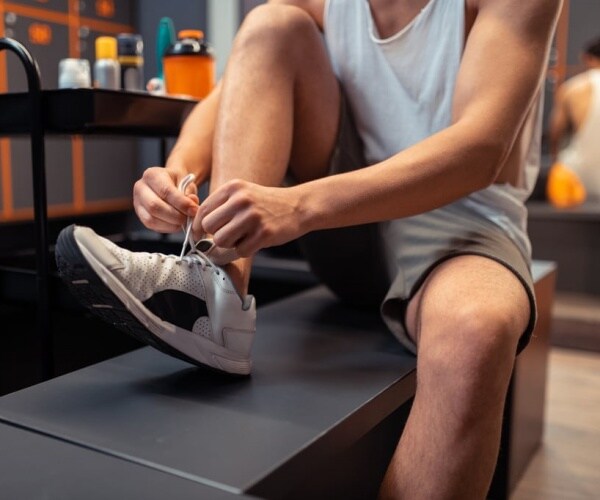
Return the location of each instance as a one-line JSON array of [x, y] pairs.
[[351, 261]]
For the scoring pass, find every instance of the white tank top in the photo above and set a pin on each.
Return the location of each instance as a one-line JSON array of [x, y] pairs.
[[582, 154], [401, 88]]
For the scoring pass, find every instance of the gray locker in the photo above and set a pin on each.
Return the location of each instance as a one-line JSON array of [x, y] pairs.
[[109, 164], [59, 176], [110, 168]]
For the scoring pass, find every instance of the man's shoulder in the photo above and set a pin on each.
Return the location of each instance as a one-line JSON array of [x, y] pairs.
[[576, 85]]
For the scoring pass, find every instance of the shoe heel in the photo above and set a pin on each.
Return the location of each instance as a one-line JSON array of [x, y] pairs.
[[238, 341]]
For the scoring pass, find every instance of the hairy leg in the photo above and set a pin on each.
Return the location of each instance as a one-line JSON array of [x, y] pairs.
[[279, 106], [467, 319]]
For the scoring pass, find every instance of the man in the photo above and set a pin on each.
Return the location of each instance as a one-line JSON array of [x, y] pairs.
[[445, 97], [576, 115]]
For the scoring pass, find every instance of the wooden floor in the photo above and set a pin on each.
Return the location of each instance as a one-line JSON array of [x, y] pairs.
[[576, 321], [567, 466]]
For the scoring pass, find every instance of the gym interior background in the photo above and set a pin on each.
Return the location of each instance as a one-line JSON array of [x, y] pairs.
[[90, 180]]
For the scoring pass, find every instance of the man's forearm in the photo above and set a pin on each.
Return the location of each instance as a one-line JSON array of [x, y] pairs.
[[193, 150], [433, 173]]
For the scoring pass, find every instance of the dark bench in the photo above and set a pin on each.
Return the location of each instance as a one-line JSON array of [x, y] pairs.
[[35, 466], [319, 418]]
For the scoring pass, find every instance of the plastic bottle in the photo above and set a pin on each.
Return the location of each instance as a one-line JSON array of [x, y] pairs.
[[131, 59], [107, 70], [74, 74], [189, 65]]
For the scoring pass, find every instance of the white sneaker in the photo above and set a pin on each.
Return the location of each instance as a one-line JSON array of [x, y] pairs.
[[185, 306]]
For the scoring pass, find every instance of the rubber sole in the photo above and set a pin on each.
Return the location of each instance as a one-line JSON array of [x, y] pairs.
[[92, 292]]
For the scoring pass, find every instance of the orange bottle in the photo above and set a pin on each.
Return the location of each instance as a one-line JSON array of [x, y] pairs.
[[189, 66], [564, 188]]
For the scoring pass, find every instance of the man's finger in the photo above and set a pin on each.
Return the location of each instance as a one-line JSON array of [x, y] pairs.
[[156, 224], [165, 189], [158, 208]]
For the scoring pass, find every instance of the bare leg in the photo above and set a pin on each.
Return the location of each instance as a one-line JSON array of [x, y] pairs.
[[279, 106], [467, 318]]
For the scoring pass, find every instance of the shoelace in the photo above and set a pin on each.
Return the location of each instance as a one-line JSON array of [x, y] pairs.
[[187, 227], [194, 254]]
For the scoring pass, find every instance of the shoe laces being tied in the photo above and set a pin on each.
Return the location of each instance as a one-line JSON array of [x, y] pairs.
[[187, 227], [205, 248]]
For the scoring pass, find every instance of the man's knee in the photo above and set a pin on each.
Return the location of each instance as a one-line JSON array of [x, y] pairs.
[[470, 355], [487, 329], [476, 335], [278, 26], [473, 305]]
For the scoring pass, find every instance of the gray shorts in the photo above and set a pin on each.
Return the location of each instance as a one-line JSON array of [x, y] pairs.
[[382, 266]]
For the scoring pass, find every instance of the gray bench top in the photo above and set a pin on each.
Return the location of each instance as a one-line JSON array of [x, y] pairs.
[[541, 210], [324, 376], [35, 466]]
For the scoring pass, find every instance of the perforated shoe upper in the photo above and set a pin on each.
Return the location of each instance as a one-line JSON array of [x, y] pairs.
[[189, 292]]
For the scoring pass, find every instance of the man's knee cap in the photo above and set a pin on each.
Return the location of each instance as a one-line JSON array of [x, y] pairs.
[[482, 327], [488, 328], [277, 20]]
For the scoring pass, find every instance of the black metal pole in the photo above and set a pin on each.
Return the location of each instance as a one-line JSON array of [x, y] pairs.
[[40, 207]]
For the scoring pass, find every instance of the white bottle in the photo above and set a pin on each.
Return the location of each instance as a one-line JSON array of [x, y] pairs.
[[74, 74], [107, 70]]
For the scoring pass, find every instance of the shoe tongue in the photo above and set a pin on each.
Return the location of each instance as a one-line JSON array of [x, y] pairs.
[[218, 255], [205, 245]]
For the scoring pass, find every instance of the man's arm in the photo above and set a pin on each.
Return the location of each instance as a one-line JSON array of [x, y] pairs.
[[501, 72], [502, 68], [559, 121], [157, 201]]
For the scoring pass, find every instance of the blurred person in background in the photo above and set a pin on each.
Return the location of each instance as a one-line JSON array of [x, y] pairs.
[[575, 121]]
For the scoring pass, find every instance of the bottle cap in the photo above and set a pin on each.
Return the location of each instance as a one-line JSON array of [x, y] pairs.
[[106, 47], [196, 34], [130, 44], [190, 42]]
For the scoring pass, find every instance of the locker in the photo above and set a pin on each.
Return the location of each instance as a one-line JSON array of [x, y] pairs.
[[59, 178], [52, 5], [110, 168], [83, 172], [110, 163], [115, 11], [48, 43]]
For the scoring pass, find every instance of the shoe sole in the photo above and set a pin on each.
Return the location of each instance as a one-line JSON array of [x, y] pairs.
[[103, 294]]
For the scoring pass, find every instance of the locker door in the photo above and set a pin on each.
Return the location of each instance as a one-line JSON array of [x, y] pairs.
[[47, 41], [114, 11], [110, 163], [53, 5]]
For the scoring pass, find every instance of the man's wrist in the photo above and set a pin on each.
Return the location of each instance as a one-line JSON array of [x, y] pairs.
[[176, 168], [309, 213]]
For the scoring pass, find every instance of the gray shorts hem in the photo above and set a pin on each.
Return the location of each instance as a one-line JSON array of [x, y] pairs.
[[393, 307]]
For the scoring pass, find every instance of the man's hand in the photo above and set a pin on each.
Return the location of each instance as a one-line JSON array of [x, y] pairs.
[[248, 217], [158, 202]]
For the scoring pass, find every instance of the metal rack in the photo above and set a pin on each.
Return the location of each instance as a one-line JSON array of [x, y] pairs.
[[38, 113]]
